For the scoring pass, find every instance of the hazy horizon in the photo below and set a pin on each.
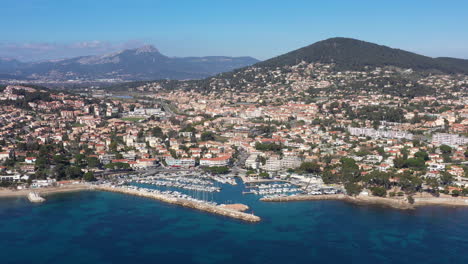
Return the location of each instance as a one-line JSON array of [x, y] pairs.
[[41, 30]]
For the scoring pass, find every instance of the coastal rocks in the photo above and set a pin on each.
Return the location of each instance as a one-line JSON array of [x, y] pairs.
[[304, 198], [35, 198], [394, 203], [388, 202]]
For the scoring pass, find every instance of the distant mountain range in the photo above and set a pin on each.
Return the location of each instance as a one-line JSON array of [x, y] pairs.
[[353, 54], [145, 63]]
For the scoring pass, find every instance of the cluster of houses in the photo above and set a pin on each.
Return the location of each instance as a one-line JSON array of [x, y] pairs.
[[222, 125]]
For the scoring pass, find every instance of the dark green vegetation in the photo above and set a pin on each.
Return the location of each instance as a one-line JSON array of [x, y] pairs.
[[55, 161], [41, 94], [117, 166], [416, 163], [378, 191], [217, 170], [29, 98], [379, 183], [268, 147], [353, 54], [378, 113], [309, 167], [208, 135], [398, 85], [348, 174]]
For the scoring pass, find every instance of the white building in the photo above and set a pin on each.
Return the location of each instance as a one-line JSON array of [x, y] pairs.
[[42, 183], [251, 162], [436, 167], [16, 177], [290, 162], [218, 161], [448, 139], [145, 112], [5, 155], [373, 133], [272, 164], [30, 160], [183, 162]]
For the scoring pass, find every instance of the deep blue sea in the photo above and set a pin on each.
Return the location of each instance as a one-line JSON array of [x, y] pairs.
[[100, 227]]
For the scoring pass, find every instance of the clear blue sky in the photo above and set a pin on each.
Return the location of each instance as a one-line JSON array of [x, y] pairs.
[[35, 29]]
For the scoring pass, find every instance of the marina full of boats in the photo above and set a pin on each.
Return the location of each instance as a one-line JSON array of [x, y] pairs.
[[225, 179], [199, 190], [195, 184], [182, 183], [273, 190], [203, 191], [168, 194], [322, 190]]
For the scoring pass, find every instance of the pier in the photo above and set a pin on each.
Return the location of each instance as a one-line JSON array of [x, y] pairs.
[[201, 206]]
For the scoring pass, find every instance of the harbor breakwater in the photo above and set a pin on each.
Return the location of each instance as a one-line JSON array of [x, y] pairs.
[[214, 209]]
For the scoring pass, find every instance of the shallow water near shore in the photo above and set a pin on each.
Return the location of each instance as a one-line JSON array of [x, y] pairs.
[[102, 227]]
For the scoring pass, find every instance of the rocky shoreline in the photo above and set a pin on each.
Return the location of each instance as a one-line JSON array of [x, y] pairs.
[[397, 203], [219, 210]]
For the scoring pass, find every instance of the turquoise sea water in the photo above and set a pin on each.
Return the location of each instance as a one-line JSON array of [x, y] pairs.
[[100, 227]]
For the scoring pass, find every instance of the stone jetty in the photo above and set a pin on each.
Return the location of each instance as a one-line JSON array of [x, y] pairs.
[[214, 209]]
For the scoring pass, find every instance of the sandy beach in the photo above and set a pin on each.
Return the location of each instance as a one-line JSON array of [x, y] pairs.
[[45, 191]]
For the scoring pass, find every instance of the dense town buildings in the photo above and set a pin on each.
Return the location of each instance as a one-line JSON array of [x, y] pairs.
[[266, 128]]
